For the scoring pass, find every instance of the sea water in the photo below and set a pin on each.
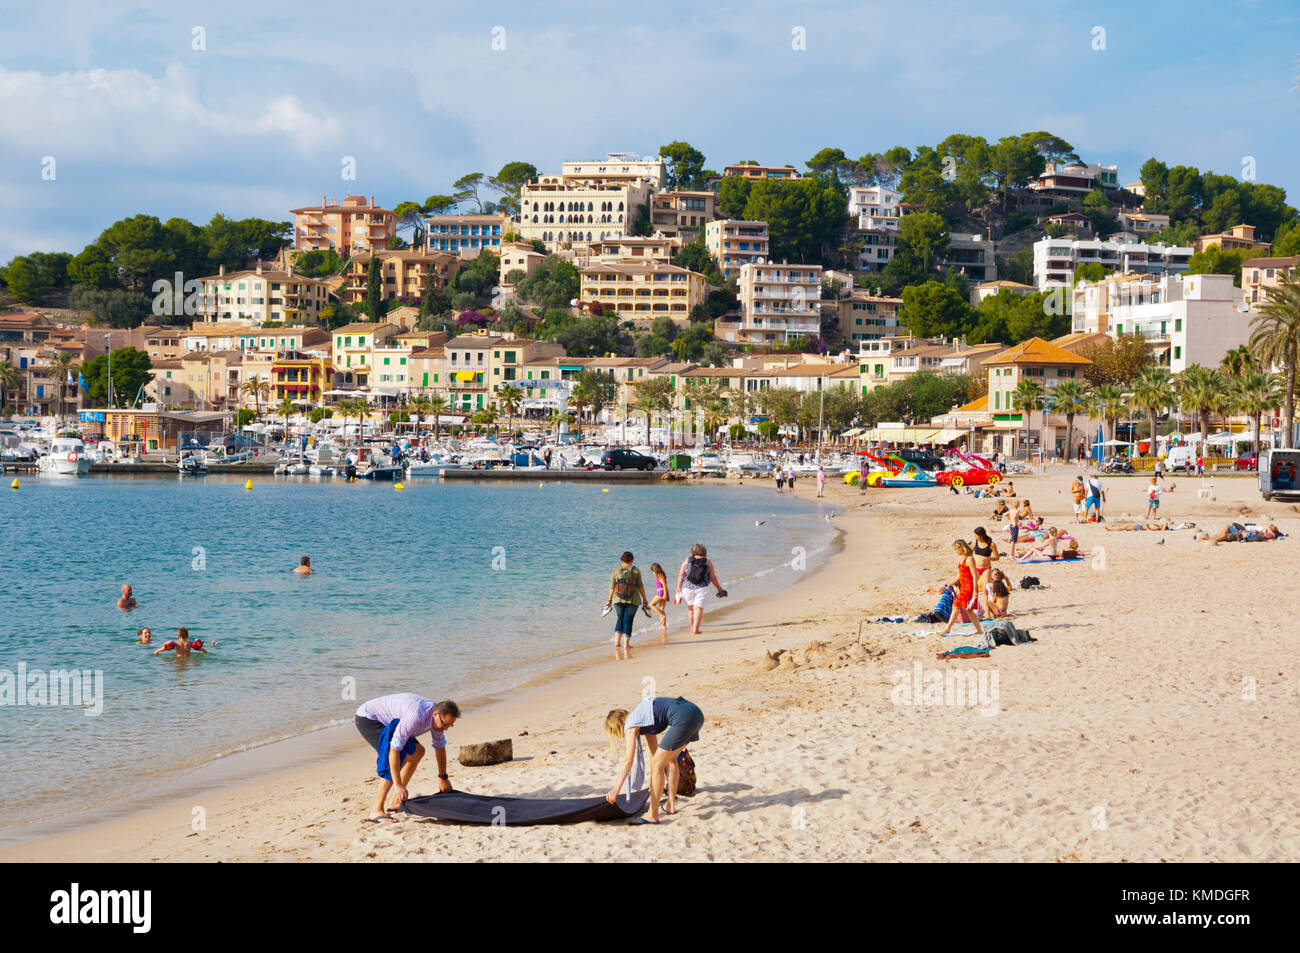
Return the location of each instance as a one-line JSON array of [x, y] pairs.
[[447, 589]]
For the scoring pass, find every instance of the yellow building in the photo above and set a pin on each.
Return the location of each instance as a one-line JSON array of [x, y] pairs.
[[350, 227], [1235, 238], [642, 291], [354, 346], [404, 272]]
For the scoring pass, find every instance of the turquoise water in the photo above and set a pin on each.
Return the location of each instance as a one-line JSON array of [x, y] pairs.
[[451, 590]]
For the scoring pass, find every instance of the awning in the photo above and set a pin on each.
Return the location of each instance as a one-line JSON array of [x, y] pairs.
[[465, 375]]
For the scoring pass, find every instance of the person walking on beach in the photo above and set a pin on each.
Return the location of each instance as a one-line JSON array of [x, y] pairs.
[[626, 594], [821, 481], [789, 477], [693, 581], [1077, 496], [1096, 497], [547, 458], [127, 601], [862, 475], [780, 478], [304, 566], [390, 725], [660, 602], [1160, 469], [965, 602], [668, 725]]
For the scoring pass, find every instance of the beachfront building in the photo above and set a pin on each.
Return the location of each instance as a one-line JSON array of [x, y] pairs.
[[351, 227], [734, 243], [778, 303], [427, 371], [405, 272], [389, 368], [478, 365], [300, 376], [354, 347], [1187, 319], [641, 290], [1055, 259], [682, 213], [465, 235], [863, 316], [241, 337], [261, 295], [160, 343], [1017, 432], [203, 380], [1234, 239], [1260, 274]]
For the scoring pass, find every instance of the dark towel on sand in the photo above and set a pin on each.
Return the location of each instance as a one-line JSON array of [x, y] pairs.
[[524, 811]]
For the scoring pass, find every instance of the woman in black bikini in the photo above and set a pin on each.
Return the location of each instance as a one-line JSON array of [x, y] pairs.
[[984, 551]]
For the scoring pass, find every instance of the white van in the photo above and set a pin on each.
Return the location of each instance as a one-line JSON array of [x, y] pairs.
[[1279, 473], [1181, 457]]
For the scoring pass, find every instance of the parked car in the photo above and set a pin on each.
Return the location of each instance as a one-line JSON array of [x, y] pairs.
[[922, 458], [623, 459], [1247, 461]]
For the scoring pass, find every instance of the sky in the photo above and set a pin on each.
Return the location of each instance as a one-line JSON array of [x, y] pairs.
[[114, 108]]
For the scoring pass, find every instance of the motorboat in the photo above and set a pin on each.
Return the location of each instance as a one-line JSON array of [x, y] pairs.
[[320, 470], [67, 456], [192, 463], [709, 463], [745, 461]]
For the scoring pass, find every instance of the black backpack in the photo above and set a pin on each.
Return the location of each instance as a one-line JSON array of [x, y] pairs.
[[698, 572]]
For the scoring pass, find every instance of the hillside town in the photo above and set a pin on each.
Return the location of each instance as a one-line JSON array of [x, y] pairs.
[[632, 283]]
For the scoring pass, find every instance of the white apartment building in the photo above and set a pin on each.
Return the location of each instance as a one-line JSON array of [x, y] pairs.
[[777, 302], [1056, 258], [1076, 179], [877, 212], [1188, 319], [733, 243], [261, 295], [560, 211], [618, 167]]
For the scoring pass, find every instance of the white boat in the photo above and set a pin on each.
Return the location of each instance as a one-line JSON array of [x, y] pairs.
[[67, 457], [321, 470], [709, 463], [192, 463], [746, 462]]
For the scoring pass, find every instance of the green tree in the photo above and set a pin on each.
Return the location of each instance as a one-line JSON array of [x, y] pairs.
[[806, 218], [1116, 360], [10, 378], [467, 187], [1028, 397], [733, 196], [553, 283], [131, 371], [653, 396], [1256, 393], [510, 181], [934, 309], [1215, 260], [375, 289], [31, 278], [1237, 362], [685, 166], [1108, 403], [61, 367], [1274, 335], [1197, 390], [1069, 398], [1153, 391]]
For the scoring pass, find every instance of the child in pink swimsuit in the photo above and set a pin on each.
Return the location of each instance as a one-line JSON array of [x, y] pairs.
[[660, 600]]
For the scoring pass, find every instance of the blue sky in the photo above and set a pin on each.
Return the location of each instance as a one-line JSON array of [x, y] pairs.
[[260, 120]]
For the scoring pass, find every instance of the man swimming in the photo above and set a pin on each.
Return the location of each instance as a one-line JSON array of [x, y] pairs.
[[303, 567], [127, 601]]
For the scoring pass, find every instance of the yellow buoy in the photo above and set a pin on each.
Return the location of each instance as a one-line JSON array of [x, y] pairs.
[[399, 486], [14, 485], [540, 484], [248, 485], [605, 490]]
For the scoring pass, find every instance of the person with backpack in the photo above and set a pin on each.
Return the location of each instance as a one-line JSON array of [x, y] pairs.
[[626, 595], [693, 581]]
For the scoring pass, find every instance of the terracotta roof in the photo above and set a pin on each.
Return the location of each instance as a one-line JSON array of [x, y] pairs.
[[1037, 351], [978, 405], [364, 327], [1271, 262]]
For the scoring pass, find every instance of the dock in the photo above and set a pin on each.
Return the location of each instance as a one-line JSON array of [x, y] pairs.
[[555, 476]]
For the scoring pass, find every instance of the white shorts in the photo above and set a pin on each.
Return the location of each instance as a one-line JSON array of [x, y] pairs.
[[694, 595]]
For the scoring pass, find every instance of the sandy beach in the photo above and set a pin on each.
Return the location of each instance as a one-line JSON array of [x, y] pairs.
[[1154, 719]]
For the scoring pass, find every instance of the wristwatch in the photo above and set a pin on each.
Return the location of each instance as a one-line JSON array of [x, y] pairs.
[[444, 777]]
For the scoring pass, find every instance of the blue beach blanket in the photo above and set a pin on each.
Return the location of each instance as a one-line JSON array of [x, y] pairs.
[[385, 739]]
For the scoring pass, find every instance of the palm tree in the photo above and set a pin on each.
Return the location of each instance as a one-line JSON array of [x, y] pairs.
[[284, 409], [1069, 398], [437, 407], [509, 397], [1257, 392], [60, 368], [1198, 390], [1153, 391], [422, 407], [9, 379], [1028, 397], [256, 387], [653, 395], [351, 408], [1237, 362], [579, 397], [1274, 336], [1108, 403]]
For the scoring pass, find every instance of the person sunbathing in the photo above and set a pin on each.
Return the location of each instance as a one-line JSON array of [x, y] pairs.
[[1000, 512], [1045, 546], [1025, 512], [997, 593], [1153, 525], [1244, 533]]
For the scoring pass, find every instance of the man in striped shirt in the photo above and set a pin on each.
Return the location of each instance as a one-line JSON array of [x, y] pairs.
[[395, 721]]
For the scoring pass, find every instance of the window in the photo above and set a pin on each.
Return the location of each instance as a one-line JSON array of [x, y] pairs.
[[1178, 353]]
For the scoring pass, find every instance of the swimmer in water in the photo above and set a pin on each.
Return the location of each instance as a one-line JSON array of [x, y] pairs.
[[182, 646], [304, 566], [143, 636], [128, 600]]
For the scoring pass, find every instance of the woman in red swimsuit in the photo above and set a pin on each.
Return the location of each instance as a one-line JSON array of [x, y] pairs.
[[964, 603]]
